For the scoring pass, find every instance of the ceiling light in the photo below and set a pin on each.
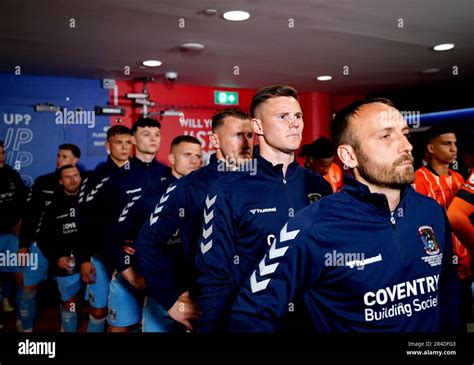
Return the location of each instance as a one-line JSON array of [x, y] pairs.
[[444, 47], [431, 70], [151, 63], [324, 78], [236, 15], [192, 47], [210, 12]]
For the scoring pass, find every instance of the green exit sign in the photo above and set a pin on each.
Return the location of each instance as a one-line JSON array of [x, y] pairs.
[[226, 97]]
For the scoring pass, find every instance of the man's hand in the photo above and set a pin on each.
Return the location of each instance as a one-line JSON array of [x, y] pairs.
[[88, 272], [185, 310], [128, 248], [135, 279], [63, 263]]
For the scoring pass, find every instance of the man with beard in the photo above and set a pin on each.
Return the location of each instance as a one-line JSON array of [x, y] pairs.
[[376, 256]]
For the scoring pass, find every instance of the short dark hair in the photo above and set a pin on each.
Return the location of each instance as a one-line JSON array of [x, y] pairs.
[[76, 151], [118, 130], [145, 122], [220, 115], [2, 144], [322, 148], [270, 92], [183, 138], [340, 128], [65, 167], [305, 150], [438, 130]]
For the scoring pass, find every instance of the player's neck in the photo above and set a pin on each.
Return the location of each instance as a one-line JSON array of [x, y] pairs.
[[144, 157], [393, 195], [275, 156], [441, 169], [119, 163], [176, 174], [219, 154]]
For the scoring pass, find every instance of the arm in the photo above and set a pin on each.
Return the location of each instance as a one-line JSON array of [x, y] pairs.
[[449, 288], [291, 264], [215, 261], [153, 261]]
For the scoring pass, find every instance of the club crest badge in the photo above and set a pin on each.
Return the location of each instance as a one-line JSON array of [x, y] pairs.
[[314, 197], [429, 240]]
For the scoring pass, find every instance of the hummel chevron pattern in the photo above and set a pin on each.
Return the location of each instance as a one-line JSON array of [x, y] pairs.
[[94, 191], [81, 192], [124, 213], [159, 207], [274, 253], [208, 216]]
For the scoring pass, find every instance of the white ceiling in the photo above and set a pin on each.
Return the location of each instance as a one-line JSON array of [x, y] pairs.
[[327, 35]]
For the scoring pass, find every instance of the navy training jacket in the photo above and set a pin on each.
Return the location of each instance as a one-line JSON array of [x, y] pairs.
[[360, 267], [242, 215]]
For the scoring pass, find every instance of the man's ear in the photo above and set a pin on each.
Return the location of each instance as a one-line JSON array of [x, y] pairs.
[[107, 147], [430, 148], [347, 156], [134, 140], [214, 138], [171, 159], [256, 125]]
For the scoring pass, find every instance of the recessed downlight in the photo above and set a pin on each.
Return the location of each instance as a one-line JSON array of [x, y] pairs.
[[192, 47], [236, 15], [151, 63], [444, 47], [324, 78], [431, 70]]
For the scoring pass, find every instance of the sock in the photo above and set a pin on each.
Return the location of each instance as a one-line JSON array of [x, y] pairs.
[[27, 308], [68, 321], [95, 325]]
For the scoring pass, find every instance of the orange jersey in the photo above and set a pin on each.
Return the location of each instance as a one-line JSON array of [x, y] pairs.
[[443, 189], [461, 214], [334, 177]]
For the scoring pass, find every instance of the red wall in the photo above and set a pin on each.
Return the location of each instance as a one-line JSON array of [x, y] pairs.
[[197, 104]]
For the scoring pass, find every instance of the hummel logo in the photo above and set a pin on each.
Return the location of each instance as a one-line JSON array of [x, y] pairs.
[[263, 210]]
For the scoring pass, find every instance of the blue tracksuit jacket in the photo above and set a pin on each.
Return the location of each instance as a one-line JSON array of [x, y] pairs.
[[176, 218], [242, 216], [358, 266]]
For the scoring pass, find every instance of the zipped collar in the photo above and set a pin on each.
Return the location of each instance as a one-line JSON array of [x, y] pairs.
[[140, 163], [362, 193], [267, 169]]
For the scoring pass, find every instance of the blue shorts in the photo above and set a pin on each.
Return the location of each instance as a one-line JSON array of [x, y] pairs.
[[69, 285], [125, 304], [9, 251], [98, 292], [33, 275], [156, 318]]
